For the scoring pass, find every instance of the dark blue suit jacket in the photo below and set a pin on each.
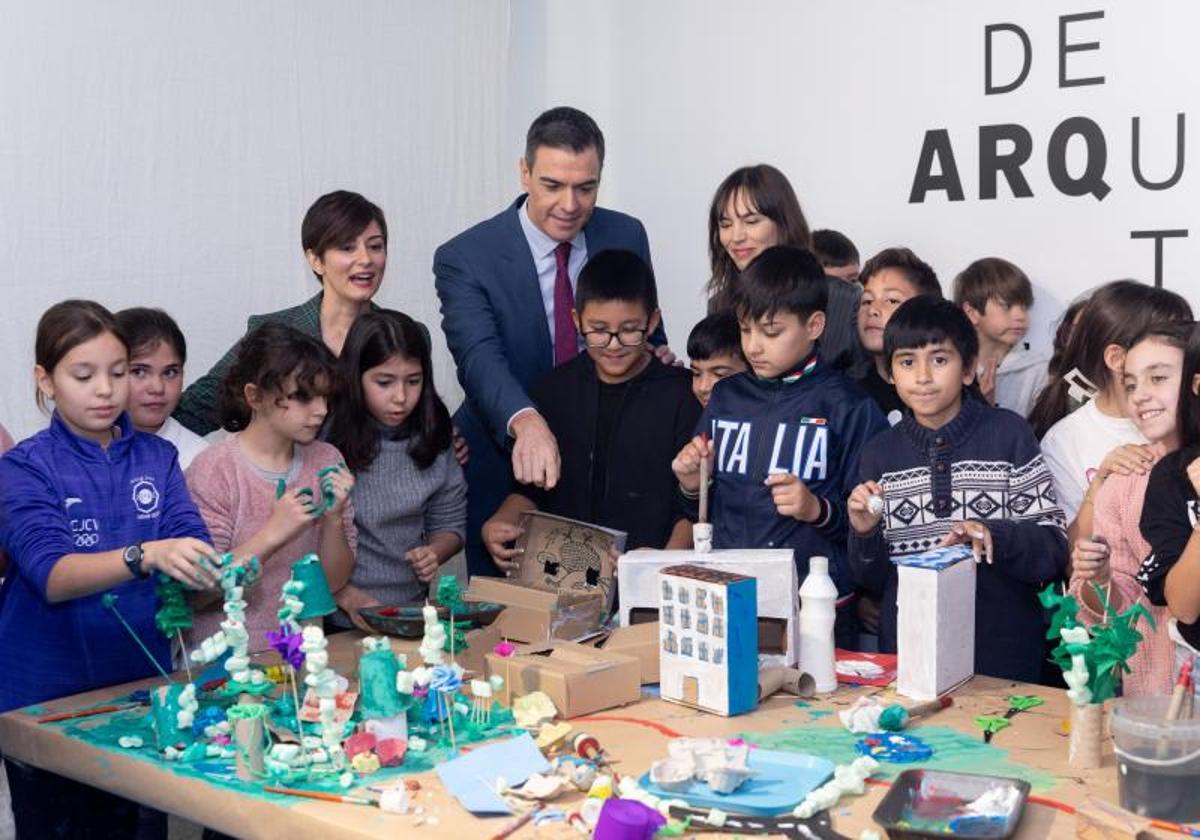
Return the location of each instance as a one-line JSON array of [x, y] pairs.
[[495, 326]]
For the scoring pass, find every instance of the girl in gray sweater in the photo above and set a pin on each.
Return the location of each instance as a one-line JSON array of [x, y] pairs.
[[410, 497]]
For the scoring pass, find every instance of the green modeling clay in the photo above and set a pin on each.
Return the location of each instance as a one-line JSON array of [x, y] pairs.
[[991, 724]]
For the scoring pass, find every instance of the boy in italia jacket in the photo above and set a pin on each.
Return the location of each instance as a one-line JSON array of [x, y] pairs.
[[784, 438]]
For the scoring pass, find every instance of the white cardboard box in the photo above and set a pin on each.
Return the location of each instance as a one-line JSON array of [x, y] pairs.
[[935, 633], [775, 569]]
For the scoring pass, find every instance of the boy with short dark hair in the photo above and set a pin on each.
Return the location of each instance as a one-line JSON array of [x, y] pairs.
[[957, 470], [997, 297], [836, 253], [157, 353], [783, 438], [714, 350], [619, 416]]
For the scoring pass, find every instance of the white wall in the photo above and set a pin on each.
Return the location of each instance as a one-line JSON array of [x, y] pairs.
[[164, 153], [839, 96]]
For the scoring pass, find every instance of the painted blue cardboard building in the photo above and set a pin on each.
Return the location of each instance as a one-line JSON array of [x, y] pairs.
[[708, 639]]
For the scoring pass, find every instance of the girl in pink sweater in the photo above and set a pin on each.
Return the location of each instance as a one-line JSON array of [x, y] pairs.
[[251, 486], [1110, 548]]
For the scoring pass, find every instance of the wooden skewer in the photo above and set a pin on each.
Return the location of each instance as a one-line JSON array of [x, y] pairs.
[[704, 488]]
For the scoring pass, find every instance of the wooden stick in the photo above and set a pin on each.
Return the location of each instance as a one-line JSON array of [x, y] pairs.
[[296, 700], [324, 797], [183, 653], [703, 489], [513, 826]]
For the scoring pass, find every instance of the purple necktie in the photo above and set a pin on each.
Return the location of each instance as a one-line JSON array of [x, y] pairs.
[[566, 339]]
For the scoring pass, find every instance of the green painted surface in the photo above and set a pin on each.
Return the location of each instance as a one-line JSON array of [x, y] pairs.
[[952, 750]]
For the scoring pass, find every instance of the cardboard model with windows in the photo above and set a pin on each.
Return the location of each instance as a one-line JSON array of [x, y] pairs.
[[778, 599], [708, 639]]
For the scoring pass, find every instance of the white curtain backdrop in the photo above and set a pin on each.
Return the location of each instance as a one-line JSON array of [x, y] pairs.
[[164, 153]]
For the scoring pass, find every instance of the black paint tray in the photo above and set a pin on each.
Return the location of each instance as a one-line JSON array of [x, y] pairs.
[[932, 804]]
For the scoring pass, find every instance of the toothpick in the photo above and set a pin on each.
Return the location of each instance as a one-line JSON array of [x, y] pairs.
[[183, 651], [299, 723]]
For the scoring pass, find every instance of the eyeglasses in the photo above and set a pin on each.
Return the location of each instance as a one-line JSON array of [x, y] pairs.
[[598, 339]]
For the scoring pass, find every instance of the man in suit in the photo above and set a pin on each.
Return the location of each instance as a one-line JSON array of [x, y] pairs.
[[506, 287]]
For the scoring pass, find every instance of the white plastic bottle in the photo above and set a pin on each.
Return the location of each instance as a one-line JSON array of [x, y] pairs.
[[818, 595]]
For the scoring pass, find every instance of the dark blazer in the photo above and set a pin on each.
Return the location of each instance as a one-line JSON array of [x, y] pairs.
[[495, 326]]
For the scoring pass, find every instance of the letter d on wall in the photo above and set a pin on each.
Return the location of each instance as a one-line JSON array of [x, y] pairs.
[[1026, 61]]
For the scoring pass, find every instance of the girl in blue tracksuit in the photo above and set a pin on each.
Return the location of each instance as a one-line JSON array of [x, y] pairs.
[[88, 507]]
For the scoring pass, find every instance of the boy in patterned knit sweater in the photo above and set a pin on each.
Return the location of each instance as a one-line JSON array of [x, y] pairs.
[[958, 471]]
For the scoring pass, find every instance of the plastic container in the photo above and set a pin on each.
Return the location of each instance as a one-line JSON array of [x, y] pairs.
[[818, 595], [1158, 761], [932, 804]]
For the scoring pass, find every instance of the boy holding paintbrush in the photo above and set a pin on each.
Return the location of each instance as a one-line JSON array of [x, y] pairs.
[[782, 439], [619, 416]]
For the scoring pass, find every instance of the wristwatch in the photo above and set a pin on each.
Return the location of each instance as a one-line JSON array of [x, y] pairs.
[[133, 556]]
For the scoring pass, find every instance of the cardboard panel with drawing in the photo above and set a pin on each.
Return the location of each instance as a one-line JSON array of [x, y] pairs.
[[565, 554]]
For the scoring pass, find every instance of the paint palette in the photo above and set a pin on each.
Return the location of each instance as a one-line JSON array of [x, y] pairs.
[[783, 780], [935, 804]]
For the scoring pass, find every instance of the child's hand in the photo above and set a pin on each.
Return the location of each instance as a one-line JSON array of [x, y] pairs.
[[1090, 561], [858, 507], [792, 498], [291, 514], [686, 465], [424, 562], [337, 481], [183, 559], [1193, 474], [1127, 459], [496, 536], [975, 533]]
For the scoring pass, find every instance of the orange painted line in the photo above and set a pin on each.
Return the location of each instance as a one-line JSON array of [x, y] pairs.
[[657, 727]]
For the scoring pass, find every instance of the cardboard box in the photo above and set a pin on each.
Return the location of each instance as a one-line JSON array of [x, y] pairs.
[[565, 554], [640, 641], [538, 614], [935, 623], [480, 642], [778, 591], [579, 679]]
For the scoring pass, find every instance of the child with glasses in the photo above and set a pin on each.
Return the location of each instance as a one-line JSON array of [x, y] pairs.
[[619, 416]]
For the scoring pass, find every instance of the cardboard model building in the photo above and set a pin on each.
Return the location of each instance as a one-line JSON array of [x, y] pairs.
[[935, 624], [565, 554], [778, 591], [708, 639]]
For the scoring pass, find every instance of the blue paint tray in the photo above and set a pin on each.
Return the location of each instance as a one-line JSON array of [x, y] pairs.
[[783, 780]]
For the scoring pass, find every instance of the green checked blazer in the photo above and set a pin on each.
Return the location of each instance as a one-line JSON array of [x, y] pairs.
[[198, 406]]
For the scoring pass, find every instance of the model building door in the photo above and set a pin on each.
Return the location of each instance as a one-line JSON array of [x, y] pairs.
[[691, 691]]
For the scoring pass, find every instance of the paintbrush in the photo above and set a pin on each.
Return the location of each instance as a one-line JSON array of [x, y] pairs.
[[321, 795], [82, 713], [1166, 825]]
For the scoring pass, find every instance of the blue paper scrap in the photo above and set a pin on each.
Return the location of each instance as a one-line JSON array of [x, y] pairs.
[[471, 778]]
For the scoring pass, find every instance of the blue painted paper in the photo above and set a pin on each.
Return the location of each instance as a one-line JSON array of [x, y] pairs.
[[471, 778]]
